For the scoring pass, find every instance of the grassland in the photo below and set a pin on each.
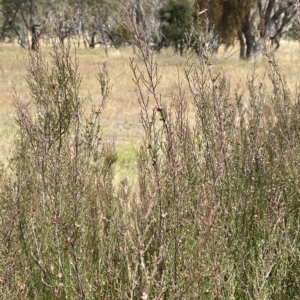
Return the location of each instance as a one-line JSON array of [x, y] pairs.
[[121, 118]]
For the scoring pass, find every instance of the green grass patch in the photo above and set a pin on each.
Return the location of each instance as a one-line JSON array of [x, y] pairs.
[[126, 164]]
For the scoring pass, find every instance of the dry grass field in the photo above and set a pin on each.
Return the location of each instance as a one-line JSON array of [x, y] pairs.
[[121, 116]]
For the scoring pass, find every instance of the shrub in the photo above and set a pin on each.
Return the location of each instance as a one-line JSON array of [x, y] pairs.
[[62, 174]]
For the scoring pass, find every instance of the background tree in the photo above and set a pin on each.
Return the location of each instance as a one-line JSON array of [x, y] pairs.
[[35, 17], [11, 20], [90, 21], [226, 17], [175, 17], [144, 15], [250, 21], [8, 12], [94, 20]]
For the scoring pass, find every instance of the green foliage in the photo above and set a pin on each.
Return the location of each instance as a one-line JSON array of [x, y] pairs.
[[176, 20], [121, 34]]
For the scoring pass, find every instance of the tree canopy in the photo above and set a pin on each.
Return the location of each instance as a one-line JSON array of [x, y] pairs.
[[175, 17], [248, 21], [165, 22], [226, 16]]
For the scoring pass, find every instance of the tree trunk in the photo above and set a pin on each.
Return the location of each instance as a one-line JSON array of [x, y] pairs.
[[22, 37], [175, 47], [34, 37], [100, 24], [3, 30], [242, 46], [251, 43]]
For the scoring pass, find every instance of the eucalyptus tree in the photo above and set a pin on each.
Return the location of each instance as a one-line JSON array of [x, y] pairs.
[[8, 12], [93, 20], [273, 19], [34, 19], [148, 16], [251, 22], [10, 21]]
